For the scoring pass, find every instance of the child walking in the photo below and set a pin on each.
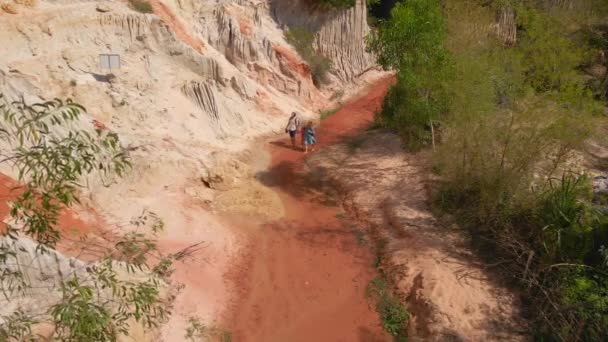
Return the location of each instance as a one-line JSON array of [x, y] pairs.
[[309, 137]]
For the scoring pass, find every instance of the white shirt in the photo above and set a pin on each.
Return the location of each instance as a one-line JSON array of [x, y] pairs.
[[294, 123]]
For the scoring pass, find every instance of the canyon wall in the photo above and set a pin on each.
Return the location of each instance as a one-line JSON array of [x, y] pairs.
[[198, 82], [339, 34]]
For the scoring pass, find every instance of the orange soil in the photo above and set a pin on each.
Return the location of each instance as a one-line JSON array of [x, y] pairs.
[[294, 61], [70, 225], [304, 277], [244, 25], [176, 25]]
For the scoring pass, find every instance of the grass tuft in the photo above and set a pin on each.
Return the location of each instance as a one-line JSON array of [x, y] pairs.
[[302, 40], [393, 313], [327, 113], [141, 6]]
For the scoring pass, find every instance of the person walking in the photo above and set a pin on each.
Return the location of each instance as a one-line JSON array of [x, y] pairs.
[[293, 125], [309, 137]]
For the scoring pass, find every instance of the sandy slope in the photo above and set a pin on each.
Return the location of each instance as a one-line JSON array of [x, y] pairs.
[[449, 293]]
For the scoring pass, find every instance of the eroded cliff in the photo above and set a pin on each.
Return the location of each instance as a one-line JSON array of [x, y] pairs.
[[198, 82]]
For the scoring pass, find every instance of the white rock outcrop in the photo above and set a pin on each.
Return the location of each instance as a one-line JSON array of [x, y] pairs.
[[198, 82], [339, 34]]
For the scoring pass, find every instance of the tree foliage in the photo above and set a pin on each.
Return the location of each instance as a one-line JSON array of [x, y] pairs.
[[519, 120], [51, 159], [411, 43], [515, 120], [98, 300]]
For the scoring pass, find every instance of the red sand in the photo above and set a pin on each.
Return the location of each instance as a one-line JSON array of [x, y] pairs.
[[304, 277], [293, 60], [181, 32], [69, 223]]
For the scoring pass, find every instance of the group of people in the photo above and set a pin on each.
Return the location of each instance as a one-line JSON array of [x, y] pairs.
[[294, 125]]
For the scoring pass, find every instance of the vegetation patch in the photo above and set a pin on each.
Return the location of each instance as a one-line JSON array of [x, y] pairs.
[[412, 43], [93, 302], [393, 313], [141, 6], [509, 117], [302, 40], [354, 143], [197, 331], [334, 4], [329, 112], [359, 235]]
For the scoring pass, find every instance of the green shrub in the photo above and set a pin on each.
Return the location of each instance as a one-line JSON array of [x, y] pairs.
[[585, 297], [597, 37], [302, 40], [141, 6], [411, 42], [327, 113], [393, 313], [335, 4], [551, 57], [567, 219], [516, 118], [512, 120], [320, 68]]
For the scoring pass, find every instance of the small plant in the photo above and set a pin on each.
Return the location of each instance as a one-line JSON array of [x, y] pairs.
[[359, 235], [302, 39], [393, 313], [319, 68], [335, 4], [141, 6], [337, 95], [327, 113], [198, 331], [354, 144]]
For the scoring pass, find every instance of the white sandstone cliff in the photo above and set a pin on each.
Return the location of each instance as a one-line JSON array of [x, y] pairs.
[[199, 81]]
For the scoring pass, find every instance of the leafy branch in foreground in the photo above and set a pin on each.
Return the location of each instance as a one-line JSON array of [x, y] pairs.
[[51, 155], [51, 150]]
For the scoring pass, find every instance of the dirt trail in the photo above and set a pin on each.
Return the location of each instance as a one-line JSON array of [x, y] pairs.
[[304, 276]]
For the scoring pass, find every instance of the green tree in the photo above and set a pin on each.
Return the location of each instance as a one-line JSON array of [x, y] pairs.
[[412, 42], [97, 300], [519, 119]]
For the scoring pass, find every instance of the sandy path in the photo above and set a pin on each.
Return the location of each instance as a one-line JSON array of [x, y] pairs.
[[450, 293], [304, 276]]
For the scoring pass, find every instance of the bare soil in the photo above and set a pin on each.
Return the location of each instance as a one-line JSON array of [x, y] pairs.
[[304, 276]]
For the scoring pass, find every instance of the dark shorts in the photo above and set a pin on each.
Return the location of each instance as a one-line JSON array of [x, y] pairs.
[[292, 134]]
